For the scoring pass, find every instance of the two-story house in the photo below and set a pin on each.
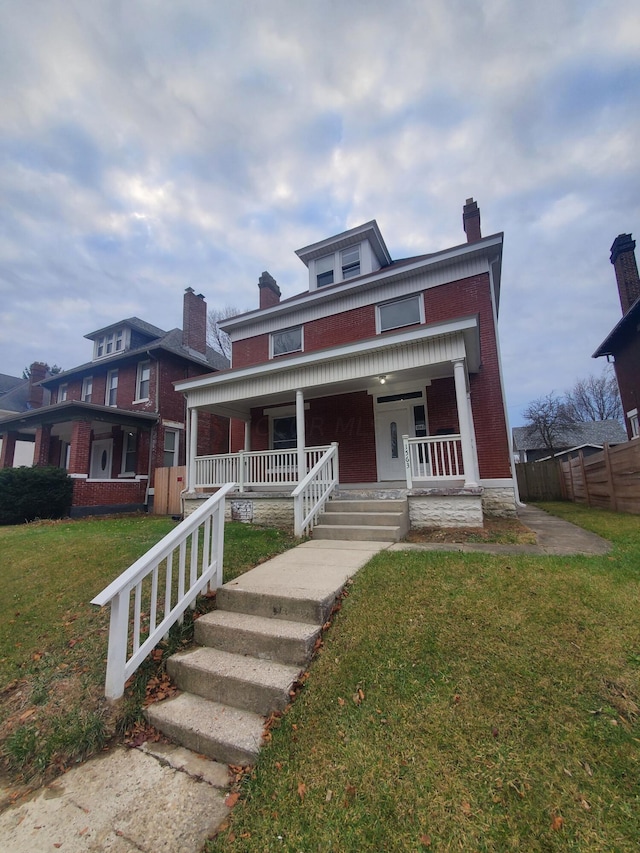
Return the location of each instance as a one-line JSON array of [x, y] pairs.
[[395, 361], [622, 344], [112, 421]]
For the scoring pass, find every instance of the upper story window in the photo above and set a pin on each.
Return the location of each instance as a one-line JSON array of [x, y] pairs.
[[62, 392], [401, 312], [351, 262], [111, 394], [109, 343], [87, 389], [142, 380], [324, 270], [289, 340]]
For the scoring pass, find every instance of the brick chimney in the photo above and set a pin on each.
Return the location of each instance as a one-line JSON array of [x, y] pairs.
[[194, 321], [38, 372], [269, 290], [471, 220], [623, 259]]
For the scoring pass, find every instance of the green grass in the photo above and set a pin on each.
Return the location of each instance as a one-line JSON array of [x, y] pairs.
[[53, 643], [499, 713]]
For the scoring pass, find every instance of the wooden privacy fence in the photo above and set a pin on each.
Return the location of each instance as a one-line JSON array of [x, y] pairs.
[[539, 481], [610, 479], [168, 484]]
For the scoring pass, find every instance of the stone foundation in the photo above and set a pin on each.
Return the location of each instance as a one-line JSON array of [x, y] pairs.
[[499, 502], [263, 510], [431, 511]]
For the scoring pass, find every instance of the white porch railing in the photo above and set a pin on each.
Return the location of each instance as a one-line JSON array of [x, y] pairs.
[[161, 593], [433, 458], [251, 468], [310, 496]]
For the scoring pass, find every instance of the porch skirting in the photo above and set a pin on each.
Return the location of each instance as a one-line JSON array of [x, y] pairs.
[[458, 508], [499, 501]]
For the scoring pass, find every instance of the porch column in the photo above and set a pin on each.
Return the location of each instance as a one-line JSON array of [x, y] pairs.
[[300, 436], [466, 428], [247, 435], [41, 450], [7, 454], [193, 449], [80, 448]]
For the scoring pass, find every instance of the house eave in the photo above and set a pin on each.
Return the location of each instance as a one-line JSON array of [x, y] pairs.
[[608, 346], [70, 410]]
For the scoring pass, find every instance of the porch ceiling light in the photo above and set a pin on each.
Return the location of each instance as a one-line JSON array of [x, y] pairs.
[[382, 379]]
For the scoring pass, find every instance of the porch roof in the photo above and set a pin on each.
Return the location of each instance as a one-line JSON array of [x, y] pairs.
[[26, 423], [416, 355]]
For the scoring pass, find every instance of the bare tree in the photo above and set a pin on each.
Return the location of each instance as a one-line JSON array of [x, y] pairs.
[[547, 417], [218, 339], [594, 399]]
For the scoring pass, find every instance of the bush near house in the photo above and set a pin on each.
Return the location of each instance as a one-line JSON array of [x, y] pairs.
[[30, 493]]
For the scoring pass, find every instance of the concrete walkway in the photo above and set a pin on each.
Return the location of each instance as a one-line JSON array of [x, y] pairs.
[[164, 799]]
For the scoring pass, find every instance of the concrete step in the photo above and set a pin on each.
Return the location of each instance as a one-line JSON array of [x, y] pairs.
[[370, 519], [294, 608], [361, 532], [229, 735], [365, 505], [245, 682], [268, 639]]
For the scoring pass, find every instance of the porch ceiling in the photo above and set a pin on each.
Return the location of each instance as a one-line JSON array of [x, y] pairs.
[[61, 415], [409, 357]]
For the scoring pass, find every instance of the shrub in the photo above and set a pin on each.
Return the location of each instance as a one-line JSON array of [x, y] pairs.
[[30, 493]]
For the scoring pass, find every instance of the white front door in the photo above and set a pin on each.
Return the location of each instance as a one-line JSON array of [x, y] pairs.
[[391, 425], [101, 455]]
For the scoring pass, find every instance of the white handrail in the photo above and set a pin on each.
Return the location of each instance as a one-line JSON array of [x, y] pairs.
[[132, 636], [433, 458], [251, 468], [310, 496]]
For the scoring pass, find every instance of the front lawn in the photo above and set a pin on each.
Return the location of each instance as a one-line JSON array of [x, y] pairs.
[[464, 702], [53, 643]]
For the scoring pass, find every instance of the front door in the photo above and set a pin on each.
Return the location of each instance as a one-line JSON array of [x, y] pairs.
[[101, 455], [391, 425]]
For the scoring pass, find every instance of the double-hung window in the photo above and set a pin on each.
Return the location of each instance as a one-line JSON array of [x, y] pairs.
[[351, 262], [401, 312], [324, 270], [633, 423], [129, 452], [111, 394], [170, 448], [62, 392], [287, 341], [142, 380], [87, 389]]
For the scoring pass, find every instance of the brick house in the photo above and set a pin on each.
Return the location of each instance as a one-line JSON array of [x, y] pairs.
[[623, 342], [114, 420], [395, 361]]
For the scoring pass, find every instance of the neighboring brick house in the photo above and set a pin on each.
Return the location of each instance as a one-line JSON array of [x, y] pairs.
[[112, 421], [589, 437], [375, 349], [623, 342]]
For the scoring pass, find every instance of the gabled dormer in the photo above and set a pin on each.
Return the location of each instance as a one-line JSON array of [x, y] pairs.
[[353, 253], [125, 335]]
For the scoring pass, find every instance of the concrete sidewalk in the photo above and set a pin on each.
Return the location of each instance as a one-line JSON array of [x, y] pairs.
[[164, 799]]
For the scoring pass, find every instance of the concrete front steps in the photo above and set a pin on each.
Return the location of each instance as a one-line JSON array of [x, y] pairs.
[[243, 670], [369, 520]]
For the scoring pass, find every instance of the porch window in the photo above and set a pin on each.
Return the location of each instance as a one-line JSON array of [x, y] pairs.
[[129, 453], [393, 429], [87, 389], [142, 380], [402, 312], [111, 395], [284, 433], [289, 340], [324, 270], [351, 262], [62, 392], [170, 448]]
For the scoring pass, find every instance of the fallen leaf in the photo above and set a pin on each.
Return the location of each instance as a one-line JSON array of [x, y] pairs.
[[328, 796], [232, 799], [340, 701], [302, 790], [587, 768], [425, 840], [557, 823], [466, 808]]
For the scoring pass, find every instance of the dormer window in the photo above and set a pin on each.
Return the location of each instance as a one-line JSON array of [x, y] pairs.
[[324, 270], [109, 343], [351, 262]]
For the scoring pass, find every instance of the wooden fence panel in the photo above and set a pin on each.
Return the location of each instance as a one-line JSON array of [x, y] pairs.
[[610, 479], [168, 485], [539, 481]]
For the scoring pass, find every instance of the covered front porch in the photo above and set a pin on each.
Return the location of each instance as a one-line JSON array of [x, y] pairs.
[[393, 412]]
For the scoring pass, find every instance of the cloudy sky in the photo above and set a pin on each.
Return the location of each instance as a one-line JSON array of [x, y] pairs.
[[151, 145]]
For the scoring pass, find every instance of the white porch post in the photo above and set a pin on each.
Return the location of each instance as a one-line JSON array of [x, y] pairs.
[[300, 436], [247, 435], [466, 428], [193, 449]]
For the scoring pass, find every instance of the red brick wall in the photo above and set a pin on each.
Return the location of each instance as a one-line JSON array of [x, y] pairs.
[[87, 493], [442, 412]]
